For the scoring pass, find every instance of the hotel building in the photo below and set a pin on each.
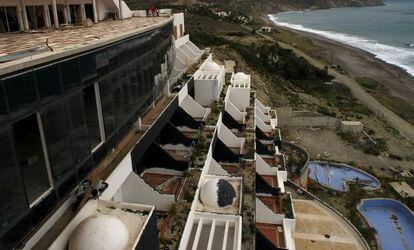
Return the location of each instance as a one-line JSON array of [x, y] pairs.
[[104, 131]]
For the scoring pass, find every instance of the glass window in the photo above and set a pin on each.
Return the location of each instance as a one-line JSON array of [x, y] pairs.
[[30, 157], [3, 106], [13, 202], [70, 73], [109, 110], [92, 118], [56, 129], [20, 90], [113, 55], [78, 132], [102, 62], [88, 67], [48, 81]]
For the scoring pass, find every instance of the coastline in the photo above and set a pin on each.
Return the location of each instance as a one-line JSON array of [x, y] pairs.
[[359, 63]]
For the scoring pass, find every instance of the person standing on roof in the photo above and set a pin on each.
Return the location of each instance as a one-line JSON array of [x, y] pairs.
[[153, 10]]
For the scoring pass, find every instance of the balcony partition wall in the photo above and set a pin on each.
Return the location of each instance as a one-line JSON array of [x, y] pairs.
[[58, 120]]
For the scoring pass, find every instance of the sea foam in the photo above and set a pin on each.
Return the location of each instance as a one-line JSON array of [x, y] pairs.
[[401, 57]]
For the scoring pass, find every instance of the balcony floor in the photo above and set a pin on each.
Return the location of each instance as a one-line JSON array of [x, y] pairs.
[[271, 202], [272, 232], [155, 180], [271, 180]]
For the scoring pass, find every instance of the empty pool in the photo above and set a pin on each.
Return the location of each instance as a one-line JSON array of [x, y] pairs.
[[336, 176], [393, 221]]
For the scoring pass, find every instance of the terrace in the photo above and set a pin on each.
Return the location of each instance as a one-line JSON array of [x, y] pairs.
[[135, 217], [17, 48], [218, 232], [165, 183], [273, 232]]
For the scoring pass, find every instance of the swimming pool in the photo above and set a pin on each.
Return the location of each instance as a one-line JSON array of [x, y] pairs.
[[393, 221], [336, 176]]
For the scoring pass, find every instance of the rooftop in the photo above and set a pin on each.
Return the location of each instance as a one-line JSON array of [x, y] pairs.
[[132, 216], [15, 47]]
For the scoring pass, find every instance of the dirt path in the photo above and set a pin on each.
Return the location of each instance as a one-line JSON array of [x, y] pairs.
[[357, 91]]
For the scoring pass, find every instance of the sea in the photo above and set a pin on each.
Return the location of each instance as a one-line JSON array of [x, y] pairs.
[[386, 31]]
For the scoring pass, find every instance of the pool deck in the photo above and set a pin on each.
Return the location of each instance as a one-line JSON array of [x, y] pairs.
[[317, 227]]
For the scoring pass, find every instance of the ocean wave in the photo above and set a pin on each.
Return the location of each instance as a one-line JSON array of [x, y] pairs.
[[401, 57]]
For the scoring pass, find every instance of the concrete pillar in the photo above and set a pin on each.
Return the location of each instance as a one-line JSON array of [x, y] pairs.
[[67, 11], [24, 15], [82, 11], [55, 15], [46, 15], [20, 17], [95, 11]]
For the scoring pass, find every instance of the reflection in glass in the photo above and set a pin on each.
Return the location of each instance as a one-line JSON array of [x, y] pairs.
[[92, 122], [30, 157], [13, 200]]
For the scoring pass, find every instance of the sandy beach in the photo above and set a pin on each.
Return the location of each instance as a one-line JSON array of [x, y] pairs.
[[359, 63]]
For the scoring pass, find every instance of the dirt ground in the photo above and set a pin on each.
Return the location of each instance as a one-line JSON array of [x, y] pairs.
[[327, 145]]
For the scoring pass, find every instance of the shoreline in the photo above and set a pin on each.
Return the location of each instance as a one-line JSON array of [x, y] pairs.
[[359, 63]]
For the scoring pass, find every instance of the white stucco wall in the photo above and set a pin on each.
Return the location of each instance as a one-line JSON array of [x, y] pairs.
[[259, 113], [179, 24], [228, 138], [205, 92], [265, 215], [234, 112], [240, 97], [136, 190], [263, 126], [193, 108]]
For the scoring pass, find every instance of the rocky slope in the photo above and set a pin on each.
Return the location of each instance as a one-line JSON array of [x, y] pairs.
[[260, 7]]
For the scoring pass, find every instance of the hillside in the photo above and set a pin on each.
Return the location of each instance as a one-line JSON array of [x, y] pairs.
[[262, 7]]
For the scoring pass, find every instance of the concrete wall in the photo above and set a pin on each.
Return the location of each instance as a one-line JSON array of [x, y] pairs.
[[288, 117], [182, 40], [228, 138], [193, 108], [205, 91], [262, 125], [259, 113], [240, 97], [136, 190], [263, 168], [179, 25], [126, 12], [352, 127], [265, 215], [263, 108], [234, 112]]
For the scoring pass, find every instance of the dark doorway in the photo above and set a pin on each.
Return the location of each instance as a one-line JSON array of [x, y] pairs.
[[8, 19], [35, 17], [60, 13], [30, 157], [75, 14], [89, 11]]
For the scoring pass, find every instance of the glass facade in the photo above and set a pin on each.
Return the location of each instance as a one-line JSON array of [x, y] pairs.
[[58, 120]]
